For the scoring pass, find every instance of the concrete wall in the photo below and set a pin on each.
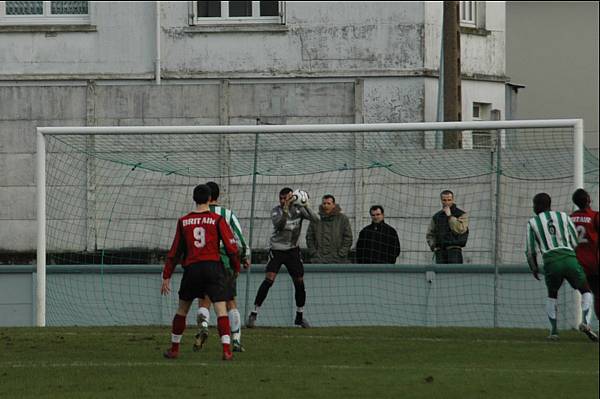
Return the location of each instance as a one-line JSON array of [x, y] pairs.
[[329, 63], [481, 51], [167, 104], [388, 296], [121, 46], [323, 38], [320, 38], [552, 49]]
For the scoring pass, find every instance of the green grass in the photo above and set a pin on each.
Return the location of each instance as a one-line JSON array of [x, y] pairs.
[[370, 362]]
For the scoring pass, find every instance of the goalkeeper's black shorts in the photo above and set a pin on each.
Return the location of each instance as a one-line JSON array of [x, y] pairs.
[[292, 259], [204, 278]]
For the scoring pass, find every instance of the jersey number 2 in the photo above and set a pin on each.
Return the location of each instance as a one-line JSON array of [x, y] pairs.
[[199, 237], [581, 234]]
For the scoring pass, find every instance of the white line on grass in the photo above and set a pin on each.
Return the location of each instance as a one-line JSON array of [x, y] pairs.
[[539, 339], [245, 364]]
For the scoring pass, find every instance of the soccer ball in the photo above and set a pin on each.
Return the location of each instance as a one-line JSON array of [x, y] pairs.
[[300, 197]]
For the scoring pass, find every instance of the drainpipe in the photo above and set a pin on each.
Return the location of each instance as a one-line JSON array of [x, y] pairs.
[[157, 62]]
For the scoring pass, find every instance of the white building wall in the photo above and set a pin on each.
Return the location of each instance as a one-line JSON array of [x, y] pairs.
[[322, 38], [121, 46], [331, 62], [483, 63], [482, 50]]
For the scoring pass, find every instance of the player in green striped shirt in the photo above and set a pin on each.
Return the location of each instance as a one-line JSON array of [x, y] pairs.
[[232, 310], [553, 234]]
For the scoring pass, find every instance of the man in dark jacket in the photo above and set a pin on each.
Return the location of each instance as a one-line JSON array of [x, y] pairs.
[[330, 239], [448, 231], [377, 242]]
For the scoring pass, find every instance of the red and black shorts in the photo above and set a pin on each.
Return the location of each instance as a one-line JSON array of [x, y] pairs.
[[204, 278], [291, 258]]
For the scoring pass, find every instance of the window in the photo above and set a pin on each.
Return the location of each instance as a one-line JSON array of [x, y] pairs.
[[476, 111], [237, 12], [44, 12], [468, 13], [473, 139]]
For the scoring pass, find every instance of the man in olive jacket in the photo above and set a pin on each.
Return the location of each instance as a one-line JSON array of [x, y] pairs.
[[330, 239], [448, 231]]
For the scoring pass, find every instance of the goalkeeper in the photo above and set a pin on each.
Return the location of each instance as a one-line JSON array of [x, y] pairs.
[[553, 233], [284, 250], [232, 309]]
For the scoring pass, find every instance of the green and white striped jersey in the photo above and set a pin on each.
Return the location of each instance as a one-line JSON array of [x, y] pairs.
[[236, 228], [550, 231]]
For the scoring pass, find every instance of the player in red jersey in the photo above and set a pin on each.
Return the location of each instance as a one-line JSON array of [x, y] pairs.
[[196, 247], [587, 224]]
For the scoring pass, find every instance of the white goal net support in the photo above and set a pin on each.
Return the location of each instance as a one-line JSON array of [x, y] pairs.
[[109, 198]]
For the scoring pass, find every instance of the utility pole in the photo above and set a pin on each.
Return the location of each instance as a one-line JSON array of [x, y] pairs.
[[452, 89]]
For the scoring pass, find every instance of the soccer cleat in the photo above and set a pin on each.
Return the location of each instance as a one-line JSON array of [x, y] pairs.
[[227, 356], [237, 346], [201, 338], [302, 322], [552, 337], [252, 320], [587, 330], [169, 354]]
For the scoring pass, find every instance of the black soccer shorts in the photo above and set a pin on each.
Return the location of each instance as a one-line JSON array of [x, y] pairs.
[[291, 258], [204, 278], [231, 284]]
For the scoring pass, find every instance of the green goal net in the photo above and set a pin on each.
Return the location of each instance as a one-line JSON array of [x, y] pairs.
[[113, 198]]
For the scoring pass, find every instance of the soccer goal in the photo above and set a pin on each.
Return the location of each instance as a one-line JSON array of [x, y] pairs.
[[108, 199]]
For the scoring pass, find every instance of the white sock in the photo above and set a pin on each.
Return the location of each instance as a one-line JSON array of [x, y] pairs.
[[256, 307], [586, 304], [202, 311], [225, 339], [176, 338], [235, 321], [551, 308], [300, 309]]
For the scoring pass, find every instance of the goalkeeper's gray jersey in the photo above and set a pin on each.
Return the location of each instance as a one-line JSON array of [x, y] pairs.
[[287, 226]]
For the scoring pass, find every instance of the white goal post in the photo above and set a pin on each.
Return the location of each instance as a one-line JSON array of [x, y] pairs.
[[43, 132]]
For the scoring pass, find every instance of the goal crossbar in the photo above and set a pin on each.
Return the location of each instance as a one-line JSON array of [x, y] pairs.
[[316, 128]]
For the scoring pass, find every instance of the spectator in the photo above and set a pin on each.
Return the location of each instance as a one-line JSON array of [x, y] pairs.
[[330, 239], [377, 242], [448, 231]]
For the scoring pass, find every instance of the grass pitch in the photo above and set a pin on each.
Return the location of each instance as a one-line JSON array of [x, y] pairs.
[[358, 362]]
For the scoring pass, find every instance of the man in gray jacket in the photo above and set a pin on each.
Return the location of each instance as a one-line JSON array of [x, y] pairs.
[[330, 239], [287, 220]]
